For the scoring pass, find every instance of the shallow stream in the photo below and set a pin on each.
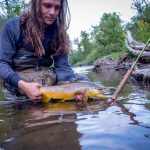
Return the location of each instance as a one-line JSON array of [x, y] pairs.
[[97, 125]]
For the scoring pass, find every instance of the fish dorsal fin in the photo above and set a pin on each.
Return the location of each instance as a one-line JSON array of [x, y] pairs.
[[67, 82]]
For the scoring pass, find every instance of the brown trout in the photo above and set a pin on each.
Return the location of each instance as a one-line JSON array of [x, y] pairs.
[[68, 91]]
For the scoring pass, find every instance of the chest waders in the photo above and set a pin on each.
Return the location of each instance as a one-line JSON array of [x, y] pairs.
[[44, 76], [30, 69]]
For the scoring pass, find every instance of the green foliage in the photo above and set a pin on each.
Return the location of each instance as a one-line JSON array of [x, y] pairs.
[[76, 56], [140, 26], [143, 31], [10, 8], [91, 57], [80, 57], [117, 55], [105, 38], [85, 43], [143, 10], [110, 33]]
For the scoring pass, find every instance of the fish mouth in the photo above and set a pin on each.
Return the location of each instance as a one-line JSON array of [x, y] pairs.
[[106, 95]]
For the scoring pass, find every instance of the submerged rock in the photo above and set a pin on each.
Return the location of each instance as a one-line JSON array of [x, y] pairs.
[[142, 73]]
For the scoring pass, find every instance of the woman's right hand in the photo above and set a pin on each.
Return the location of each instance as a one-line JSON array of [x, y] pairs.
[[32, 90]]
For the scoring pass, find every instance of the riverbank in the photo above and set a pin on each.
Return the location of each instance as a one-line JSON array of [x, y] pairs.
[[141, 72]]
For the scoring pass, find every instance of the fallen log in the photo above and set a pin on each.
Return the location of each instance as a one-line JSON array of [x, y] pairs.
[[133, 44], [135, 47]]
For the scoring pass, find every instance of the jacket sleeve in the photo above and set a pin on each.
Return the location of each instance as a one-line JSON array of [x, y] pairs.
[[8, 38], [63, 68]]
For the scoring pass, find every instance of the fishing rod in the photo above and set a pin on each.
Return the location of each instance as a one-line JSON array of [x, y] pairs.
[[127, 75]]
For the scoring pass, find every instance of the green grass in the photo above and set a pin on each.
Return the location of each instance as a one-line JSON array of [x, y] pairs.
[[117, 55]]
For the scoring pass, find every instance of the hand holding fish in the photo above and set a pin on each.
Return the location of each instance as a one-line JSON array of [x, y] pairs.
[[79, 97], [31, 89]]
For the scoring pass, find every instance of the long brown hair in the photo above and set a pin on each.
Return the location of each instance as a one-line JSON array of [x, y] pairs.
[[33, 28]]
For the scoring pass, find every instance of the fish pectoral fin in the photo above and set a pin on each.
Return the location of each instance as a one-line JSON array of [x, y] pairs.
[[45, 99], [81, 96]]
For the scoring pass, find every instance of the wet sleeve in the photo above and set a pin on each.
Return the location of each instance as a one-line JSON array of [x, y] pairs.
[[63, 68], [7, 51]]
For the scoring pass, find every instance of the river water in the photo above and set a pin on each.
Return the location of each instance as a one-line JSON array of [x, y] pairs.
[[96, 125]]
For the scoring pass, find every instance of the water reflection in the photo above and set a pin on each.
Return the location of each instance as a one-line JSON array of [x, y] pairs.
[[46, 127], [126, 111], [36, 128], [52, 126], [124, 124]]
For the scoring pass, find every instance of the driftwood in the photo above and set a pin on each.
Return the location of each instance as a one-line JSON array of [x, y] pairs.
[[135, 47], [142, 71]]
